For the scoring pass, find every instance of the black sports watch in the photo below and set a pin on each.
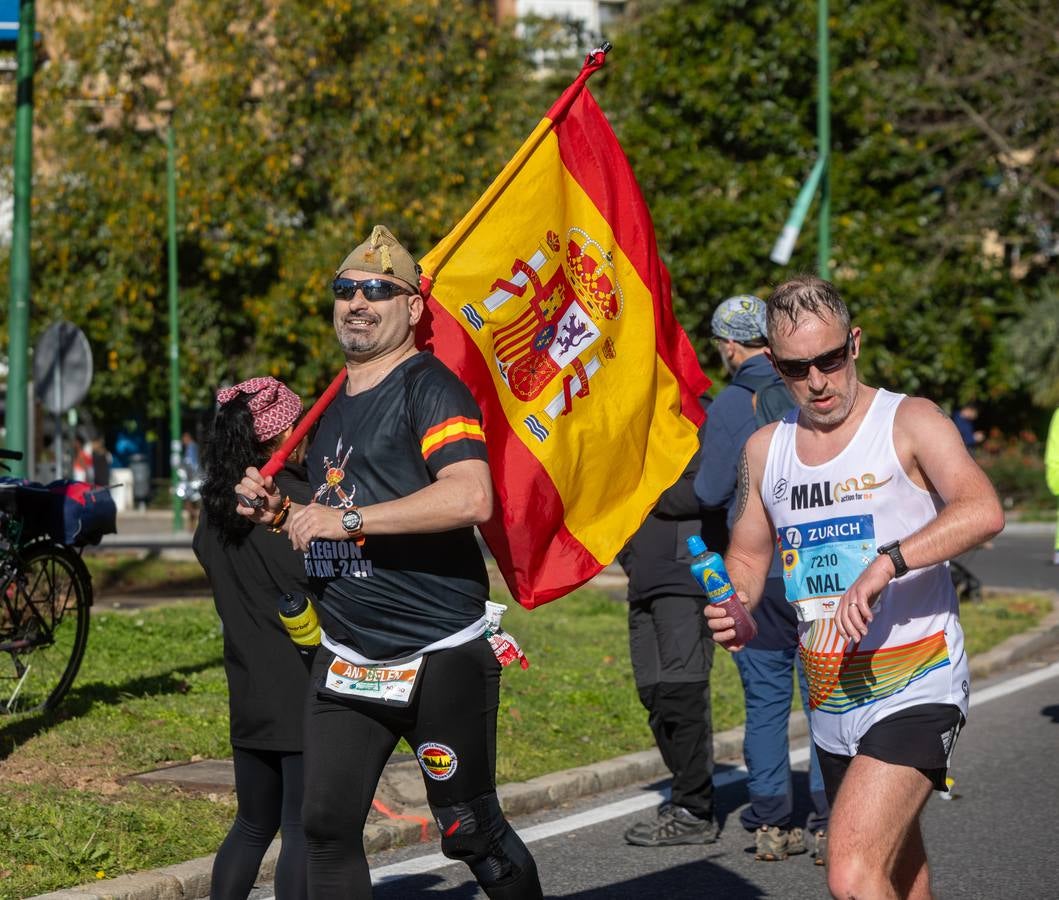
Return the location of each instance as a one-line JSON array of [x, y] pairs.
[[353, 522], [893, 550]]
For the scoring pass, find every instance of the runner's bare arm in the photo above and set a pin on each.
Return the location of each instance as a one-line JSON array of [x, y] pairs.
[[462, 495], [941, 463], [935, 458], [752, 540], [752, 545]]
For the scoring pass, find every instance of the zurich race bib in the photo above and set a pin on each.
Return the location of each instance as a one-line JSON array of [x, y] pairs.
[[822, 559]]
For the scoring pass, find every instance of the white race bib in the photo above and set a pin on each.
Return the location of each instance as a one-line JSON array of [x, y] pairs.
[[822, 559], [391, 685]]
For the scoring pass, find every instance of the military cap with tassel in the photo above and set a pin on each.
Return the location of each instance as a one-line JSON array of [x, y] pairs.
[[383, 254]]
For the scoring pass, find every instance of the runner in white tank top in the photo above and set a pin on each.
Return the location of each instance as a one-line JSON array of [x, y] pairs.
[[867, 494], [830, 520]]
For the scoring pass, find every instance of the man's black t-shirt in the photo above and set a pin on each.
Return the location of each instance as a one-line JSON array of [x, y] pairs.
[[396, 594]]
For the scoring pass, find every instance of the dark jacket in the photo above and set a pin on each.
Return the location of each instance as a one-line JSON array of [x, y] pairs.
[[730, 425], [656, 558], [267, 678]]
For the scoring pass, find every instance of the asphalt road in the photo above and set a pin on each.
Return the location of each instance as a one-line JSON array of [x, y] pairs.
[[1019, 557], [992, 840]]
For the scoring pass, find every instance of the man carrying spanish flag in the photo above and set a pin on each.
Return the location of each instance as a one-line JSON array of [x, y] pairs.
[[411, 647]]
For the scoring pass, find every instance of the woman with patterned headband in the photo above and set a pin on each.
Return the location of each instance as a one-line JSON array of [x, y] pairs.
[[249, 569]]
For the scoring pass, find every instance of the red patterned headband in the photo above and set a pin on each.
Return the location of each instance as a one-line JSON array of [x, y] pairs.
[[274, 405]]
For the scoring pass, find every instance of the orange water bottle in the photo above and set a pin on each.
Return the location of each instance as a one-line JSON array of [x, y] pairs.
[[707, 568]]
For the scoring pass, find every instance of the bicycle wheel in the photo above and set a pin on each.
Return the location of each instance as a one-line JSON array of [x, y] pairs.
[[45, 610]]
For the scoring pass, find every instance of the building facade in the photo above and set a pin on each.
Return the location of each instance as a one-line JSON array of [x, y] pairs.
[[596, 16]]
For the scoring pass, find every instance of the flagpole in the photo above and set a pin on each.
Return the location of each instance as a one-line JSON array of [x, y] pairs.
[[593, 62], [276, 461]]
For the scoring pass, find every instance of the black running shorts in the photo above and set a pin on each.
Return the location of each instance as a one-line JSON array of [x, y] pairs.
[[921, 737]]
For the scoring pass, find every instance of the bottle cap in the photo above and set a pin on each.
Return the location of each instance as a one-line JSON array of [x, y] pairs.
[[696, 545]]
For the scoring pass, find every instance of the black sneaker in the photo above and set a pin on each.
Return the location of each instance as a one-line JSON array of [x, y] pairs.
[[674, 825], [661, 810]]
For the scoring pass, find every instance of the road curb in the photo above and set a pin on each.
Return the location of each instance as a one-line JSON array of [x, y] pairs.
[[1022, 646], [191, 880]]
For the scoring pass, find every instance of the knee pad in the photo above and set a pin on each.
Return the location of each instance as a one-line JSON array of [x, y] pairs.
[[464, 836], [477, 833]]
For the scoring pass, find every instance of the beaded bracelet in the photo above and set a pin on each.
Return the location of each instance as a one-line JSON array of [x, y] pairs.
[[276, 525]]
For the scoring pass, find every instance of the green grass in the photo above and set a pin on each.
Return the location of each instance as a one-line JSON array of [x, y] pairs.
[[577, 702], [145, 574], [152, 691], [998, 617]]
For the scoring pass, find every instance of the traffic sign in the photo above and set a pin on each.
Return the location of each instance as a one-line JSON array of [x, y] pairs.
[[8, 22], [62, 367]]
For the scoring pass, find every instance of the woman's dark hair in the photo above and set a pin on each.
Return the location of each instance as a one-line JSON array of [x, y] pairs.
[[231, 446]]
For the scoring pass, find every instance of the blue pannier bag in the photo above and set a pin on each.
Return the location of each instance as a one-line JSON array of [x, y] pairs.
[[74, 513]]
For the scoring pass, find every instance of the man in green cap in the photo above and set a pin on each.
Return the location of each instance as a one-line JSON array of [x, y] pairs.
[[411, 646]]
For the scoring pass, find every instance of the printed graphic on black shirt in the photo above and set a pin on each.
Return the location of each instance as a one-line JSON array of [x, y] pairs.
[[334, 475]]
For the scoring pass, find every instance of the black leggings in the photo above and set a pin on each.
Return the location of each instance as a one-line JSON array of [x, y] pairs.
[[450, 725], [268, 786]]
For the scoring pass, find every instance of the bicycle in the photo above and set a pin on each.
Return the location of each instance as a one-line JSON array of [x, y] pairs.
[[45, 598]]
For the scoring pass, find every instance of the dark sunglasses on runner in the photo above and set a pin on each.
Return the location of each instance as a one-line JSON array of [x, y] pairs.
[[828, 362], [373, 288]]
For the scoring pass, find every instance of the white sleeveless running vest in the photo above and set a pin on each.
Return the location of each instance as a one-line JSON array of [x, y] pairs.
[[829, 520]]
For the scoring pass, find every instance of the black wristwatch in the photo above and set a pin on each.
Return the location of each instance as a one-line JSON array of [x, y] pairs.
[[353, 522], [893, 550]]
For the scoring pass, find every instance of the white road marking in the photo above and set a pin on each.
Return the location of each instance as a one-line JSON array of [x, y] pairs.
[[559, 826], [433, 861], [1014, 684]]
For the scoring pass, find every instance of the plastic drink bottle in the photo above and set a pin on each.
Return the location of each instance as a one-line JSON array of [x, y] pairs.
[[299, 618], [707, 568]]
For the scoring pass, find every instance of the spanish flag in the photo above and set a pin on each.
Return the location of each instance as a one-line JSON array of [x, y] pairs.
[[550, 302]]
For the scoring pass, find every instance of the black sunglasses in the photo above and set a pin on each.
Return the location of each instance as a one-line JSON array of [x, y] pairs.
[[373, 289], [828, 362]]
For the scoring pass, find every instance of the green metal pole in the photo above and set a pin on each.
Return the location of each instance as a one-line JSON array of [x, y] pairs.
[[17, 415], [174, 334], [823, 139], [784, 246]]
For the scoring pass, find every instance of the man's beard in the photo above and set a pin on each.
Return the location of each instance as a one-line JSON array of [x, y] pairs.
[[835, 416], [353, 341], [356, 344]]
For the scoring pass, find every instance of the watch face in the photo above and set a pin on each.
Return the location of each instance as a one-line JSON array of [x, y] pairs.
[[351, 521]]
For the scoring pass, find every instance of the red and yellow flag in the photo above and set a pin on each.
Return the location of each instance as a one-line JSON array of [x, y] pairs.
[[550, 302]]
